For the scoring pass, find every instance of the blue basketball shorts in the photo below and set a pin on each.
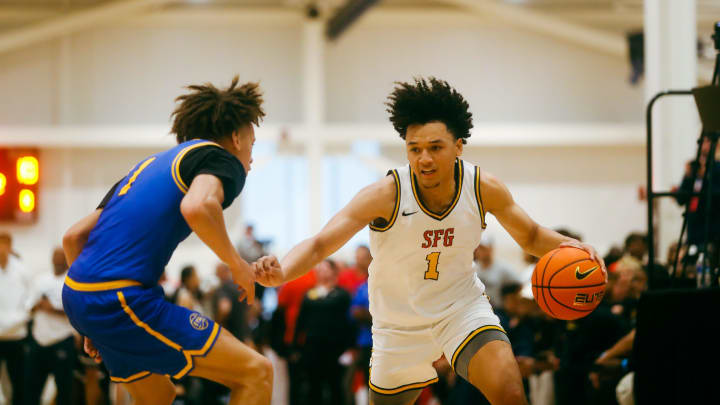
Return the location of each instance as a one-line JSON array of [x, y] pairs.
[[136, 331]]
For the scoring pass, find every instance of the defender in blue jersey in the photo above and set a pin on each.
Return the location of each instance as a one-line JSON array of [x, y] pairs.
[[118, 253]]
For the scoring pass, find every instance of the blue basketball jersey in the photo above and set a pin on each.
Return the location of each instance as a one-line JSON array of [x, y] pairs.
[[141, 224]]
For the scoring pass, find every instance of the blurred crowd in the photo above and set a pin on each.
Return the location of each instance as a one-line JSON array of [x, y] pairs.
[[317, 332]]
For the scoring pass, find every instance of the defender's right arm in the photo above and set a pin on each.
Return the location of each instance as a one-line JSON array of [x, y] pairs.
[[202, 209], [374, 201]]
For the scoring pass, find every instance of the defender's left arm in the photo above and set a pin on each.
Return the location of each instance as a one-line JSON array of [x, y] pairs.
[[532, 237]]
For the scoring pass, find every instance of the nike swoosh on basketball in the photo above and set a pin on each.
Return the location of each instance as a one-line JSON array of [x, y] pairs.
[[580, 275], [408, 213]]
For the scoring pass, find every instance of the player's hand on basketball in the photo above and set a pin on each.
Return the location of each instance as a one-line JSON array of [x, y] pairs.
[[244, 276], [591, 250], [91, 350], [268, 271]]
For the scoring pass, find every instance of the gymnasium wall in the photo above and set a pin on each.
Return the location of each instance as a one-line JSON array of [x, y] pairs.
[[129, 73]]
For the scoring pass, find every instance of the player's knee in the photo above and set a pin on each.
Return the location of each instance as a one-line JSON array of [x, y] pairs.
[[512, 394], [258, 372]]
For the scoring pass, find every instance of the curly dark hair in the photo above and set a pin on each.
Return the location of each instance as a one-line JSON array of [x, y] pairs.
[[209, 113], [428, 100]]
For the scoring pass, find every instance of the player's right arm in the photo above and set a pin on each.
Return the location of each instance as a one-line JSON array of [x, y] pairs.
[[374, 201], [202, 209], [75, 238]]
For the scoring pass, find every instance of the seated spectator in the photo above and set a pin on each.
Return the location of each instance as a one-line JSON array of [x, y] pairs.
[[52, 349], [493, 273], [584, 340]]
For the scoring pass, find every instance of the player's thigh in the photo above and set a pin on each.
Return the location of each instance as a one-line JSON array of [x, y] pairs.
[[154, 389], [494, 371], [401, 362], [232, 363], [403, 398]]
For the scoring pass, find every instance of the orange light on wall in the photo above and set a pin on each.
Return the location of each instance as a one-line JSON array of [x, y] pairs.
[[3, 183], [26, 200], [28, 170]]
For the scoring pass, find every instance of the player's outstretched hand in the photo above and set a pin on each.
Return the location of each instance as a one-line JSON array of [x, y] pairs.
[[591, 250], [91, 350], [244, 277], [268, 271]]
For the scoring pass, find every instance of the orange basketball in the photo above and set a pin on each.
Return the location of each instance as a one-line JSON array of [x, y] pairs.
[[567, 284]]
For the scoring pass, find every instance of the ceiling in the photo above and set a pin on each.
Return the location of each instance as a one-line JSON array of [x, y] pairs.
[[617, 16]]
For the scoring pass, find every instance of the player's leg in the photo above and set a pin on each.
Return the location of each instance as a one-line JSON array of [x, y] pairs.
[[403, 398], [479, 351], [246, 372], [402, 364], [154, 389], [494, 371]]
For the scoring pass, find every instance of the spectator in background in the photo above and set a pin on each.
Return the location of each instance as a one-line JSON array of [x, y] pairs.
[[634, 252], [350, 279], [188, 295], [493, 273], [52, 349], [584, 340], [361, 313], [189, 390], [249, 247], [229, 311], [290, 299], [323, 330], [693, 181], [13, 316]]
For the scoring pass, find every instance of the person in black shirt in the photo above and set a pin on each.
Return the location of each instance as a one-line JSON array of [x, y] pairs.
[[323, 329], [229, 311]]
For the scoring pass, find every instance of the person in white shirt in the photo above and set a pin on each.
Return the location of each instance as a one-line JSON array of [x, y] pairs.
[[52, 349], [493, 273], [13, 316]]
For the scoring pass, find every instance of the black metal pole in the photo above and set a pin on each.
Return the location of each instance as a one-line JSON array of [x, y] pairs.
[[650, 195]]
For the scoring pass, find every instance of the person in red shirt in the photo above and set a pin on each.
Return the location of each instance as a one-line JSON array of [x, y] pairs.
[[290, 298], [352, 278]]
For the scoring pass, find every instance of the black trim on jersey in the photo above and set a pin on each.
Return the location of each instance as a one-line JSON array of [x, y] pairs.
[[381, 224], [109, 195], [459, 176], [214, 160], [478, 197]]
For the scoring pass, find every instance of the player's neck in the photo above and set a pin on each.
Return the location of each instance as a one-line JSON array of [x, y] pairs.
[[438, 198]]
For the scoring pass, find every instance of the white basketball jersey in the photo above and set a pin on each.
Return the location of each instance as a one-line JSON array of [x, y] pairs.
[[422, 261]]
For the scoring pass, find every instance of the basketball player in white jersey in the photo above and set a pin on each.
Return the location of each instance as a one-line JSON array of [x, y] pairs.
[[425, 220]]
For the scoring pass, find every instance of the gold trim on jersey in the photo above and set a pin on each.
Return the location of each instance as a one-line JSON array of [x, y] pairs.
[[202, 352], [469, 338], [175, 168], [159, 336], [104, 286], [478, 197], [396, 210], [458, 191], [132, 378], [402, 388]]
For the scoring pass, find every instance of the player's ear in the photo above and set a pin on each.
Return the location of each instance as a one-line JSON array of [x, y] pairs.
[[237, 140], [459, 147]]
